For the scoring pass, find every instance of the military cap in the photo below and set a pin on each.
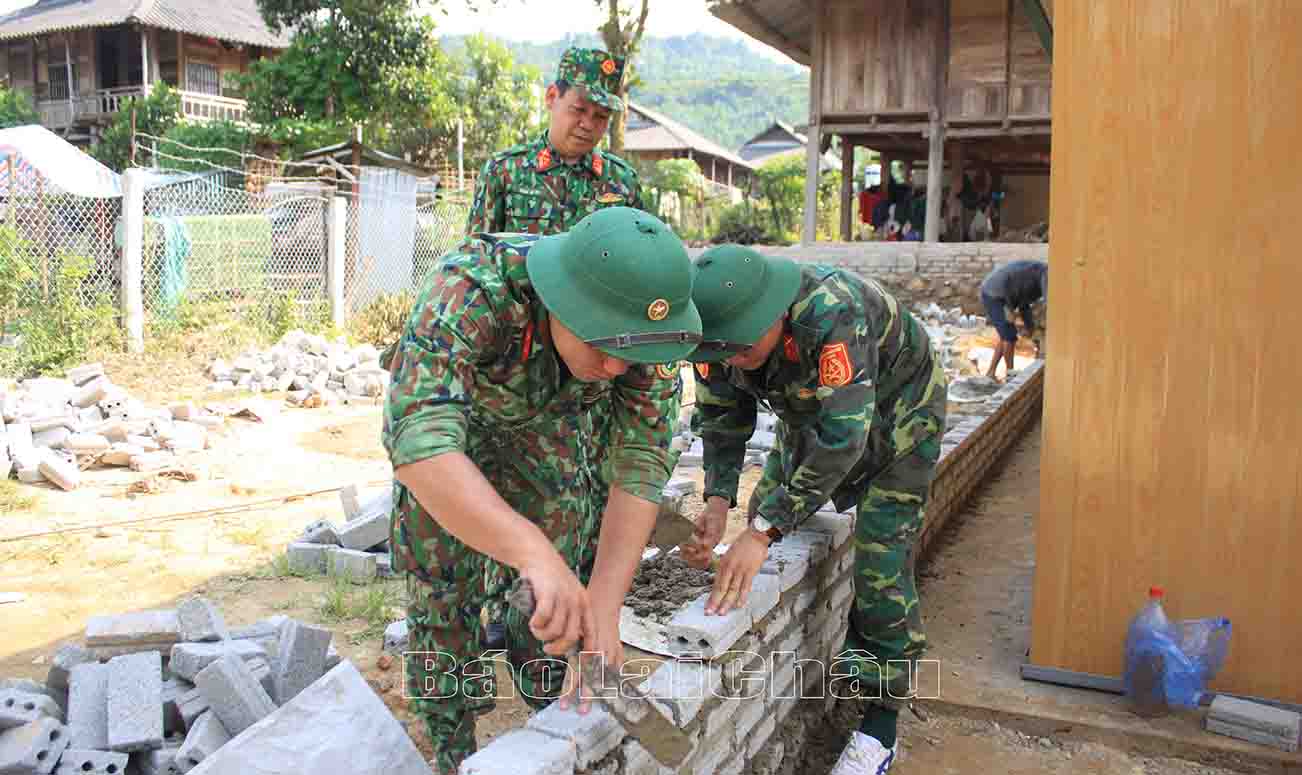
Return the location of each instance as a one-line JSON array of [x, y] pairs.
[[597, 71], [739, 294]]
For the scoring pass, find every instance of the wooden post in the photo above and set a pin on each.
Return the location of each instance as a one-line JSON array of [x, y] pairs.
[[847, 188], [144, 60], [809, 232], [67, 66], [956, 186], [1008, 62], [936, 141], [180, 61]]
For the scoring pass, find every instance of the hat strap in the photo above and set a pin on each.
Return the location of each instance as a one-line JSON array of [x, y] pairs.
[[624, 341], [722, 345]]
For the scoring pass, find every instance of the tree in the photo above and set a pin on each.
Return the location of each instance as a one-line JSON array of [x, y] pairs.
[[498, 101], [155, 116], [622, 34], [16, 108]]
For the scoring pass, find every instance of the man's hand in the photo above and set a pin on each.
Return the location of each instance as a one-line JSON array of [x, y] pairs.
[[709, 532], [602, 651], [563, 616], [736, 571]]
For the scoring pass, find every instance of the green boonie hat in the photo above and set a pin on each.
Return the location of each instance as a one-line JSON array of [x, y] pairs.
[[740, 294], [621, 280], [595, 70]]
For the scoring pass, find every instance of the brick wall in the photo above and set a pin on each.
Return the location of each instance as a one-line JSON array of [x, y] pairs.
[[948, 273], [761, 683]]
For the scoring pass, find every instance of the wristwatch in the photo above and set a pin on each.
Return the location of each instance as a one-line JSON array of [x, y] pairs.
[[762, 525]]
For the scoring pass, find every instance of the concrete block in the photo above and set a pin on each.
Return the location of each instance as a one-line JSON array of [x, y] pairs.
[[191, 705], [269, 627], [53, 438], [89, 417], [752, 711], [593, 734], [719, 715], [66, 657], [370, 528], [60, 471], [710, 757], [1256, 715], [120, 454], [320, 532], [336, 725], [260, 667], [135, 702], [522, 752], [384, 565], [32, 749], [1251, 734], [19, 437], [836, 526], [86, 444], [88, 706], [300, 659], [161, 761], [80, 375], [356, 566], [233, 693], [839, 597], [639, 761], [201, 621], [147, 443], [680, 689], [92, 392], [771, 628], [152, 461], [307, 558], [769, 759], [79, 760], [395, 637], [350, 498], [189, 659], [680, 485], [27, 686], [765, 591], [690, 631], [19, 708], [204, 738], [173, 690], [787, 561], [760, 736], [820, 544]]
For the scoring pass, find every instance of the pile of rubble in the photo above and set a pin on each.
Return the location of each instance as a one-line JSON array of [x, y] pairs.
[[309, 369], [358, 549], [933, 316], [53, 429], [176, 691]]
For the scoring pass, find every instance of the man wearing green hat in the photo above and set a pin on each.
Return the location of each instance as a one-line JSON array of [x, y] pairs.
[[861, 400], [547, 185], [512, 343]]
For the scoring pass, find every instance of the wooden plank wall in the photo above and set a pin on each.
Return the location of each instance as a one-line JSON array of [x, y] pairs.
[[977, 58], [1031, 76], [1172, 420], [878, 56]]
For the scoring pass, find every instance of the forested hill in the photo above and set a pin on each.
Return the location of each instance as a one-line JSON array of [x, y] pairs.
[[714, 85]]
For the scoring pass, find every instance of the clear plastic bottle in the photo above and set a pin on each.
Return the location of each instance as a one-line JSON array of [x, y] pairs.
[[1149, 640]]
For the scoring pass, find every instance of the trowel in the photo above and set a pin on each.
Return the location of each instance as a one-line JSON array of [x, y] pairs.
[[674, 529], [628, 704]]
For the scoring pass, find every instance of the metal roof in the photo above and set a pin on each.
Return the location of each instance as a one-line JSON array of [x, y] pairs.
[[665, 134], [237, 21], [784, 25]]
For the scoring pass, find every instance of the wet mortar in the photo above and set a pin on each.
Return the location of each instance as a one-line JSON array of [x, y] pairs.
[[664, 585]]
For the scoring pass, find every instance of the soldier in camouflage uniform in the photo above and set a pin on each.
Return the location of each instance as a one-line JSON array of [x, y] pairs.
[[512, 342], [548, 185], [861, 400]]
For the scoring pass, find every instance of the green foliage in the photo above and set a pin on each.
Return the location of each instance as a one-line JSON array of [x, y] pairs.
[[781, 184], [682, 176], [381, 321], [496, 98], [17, 108], [717, 86], [233, 138], [18, 276], [155, 115], [741, 224], [63, 326]]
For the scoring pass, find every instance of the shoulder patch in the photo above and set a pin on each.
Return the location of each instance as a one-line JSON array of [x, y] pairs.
[[597, 163], [834, 369], [703, 369], [667, 370]]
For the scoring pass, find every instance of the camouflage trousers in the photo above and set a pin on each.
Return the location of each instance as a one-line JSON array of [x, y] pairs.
[[885, 637], [449, 676]]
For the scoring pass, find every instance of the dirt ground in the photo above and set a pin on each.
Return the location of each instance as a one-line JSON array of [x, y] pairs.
[[261, 483]]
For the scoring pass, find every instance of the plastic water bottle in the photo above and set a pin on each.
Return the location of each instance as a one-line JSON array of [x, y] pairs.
[[1146, 656]]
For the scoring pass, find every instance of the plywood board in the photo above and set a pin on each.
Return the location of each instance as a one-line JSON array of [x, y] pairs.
[[1171, 411], [879, 56]]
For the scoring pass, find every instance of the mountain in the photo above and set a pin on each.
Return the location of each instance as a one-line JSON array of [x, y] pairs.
[[715, 85]]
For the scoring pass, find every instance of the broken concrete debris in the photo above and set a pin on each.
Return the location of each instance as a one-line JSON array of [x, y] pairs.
[[54, 428], [311, 370], [295, 707], [357, 549]]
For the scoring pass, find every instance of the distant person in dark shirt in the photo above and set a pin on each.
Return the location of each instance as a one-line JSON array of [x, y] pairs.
[[1015, 285]]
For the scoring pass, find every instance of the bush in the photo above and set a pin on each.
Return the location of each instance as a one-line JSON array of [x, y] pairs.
[[381, 321], [63, 327], [740, 224]]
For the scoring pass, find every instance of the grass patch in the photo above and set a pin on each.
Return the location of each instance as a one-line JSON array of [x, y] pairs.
[[13, 499]]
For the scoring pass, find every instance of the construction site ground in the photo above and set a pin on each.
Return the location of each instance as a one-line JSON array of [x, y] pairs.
[[223, 536]]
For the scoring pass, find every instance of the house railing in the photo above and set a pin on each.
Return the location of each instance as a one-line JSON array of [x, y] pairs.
[[102, 103]]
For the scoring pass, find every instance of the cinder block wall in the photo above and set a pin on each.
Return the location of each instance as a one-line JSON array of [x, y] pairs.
[[948, 273], [762, 681]]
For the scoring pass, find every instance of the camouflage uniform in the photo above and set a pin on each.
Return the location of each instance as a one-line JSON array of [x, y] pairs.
[[475, 372], [862, 403]]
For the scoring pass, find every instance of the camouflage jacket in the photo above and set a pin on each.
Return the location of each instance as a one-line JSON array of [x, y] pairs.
[[475, 371], [529, 190], [850, 366]]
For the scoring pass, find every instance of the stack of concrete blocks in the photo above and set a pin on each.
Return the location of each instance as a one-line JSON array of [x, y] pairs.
[[51, 429], [358, 549], [308, 369], [1254, 722], [159, 692], [735, 683], [972, 449], [757, 447]]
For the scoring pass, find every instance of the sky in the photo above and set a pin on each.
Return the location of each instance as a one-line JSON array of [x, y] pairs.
[[545, 20]]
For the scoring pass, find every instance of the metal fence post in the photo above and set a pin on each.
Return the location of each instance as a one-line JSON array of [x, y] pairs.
[[336, 258], [133, 248]]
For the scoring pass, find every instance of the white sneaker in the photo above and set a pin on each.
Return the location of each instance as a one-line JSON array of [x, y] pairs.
[[865, 755]]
